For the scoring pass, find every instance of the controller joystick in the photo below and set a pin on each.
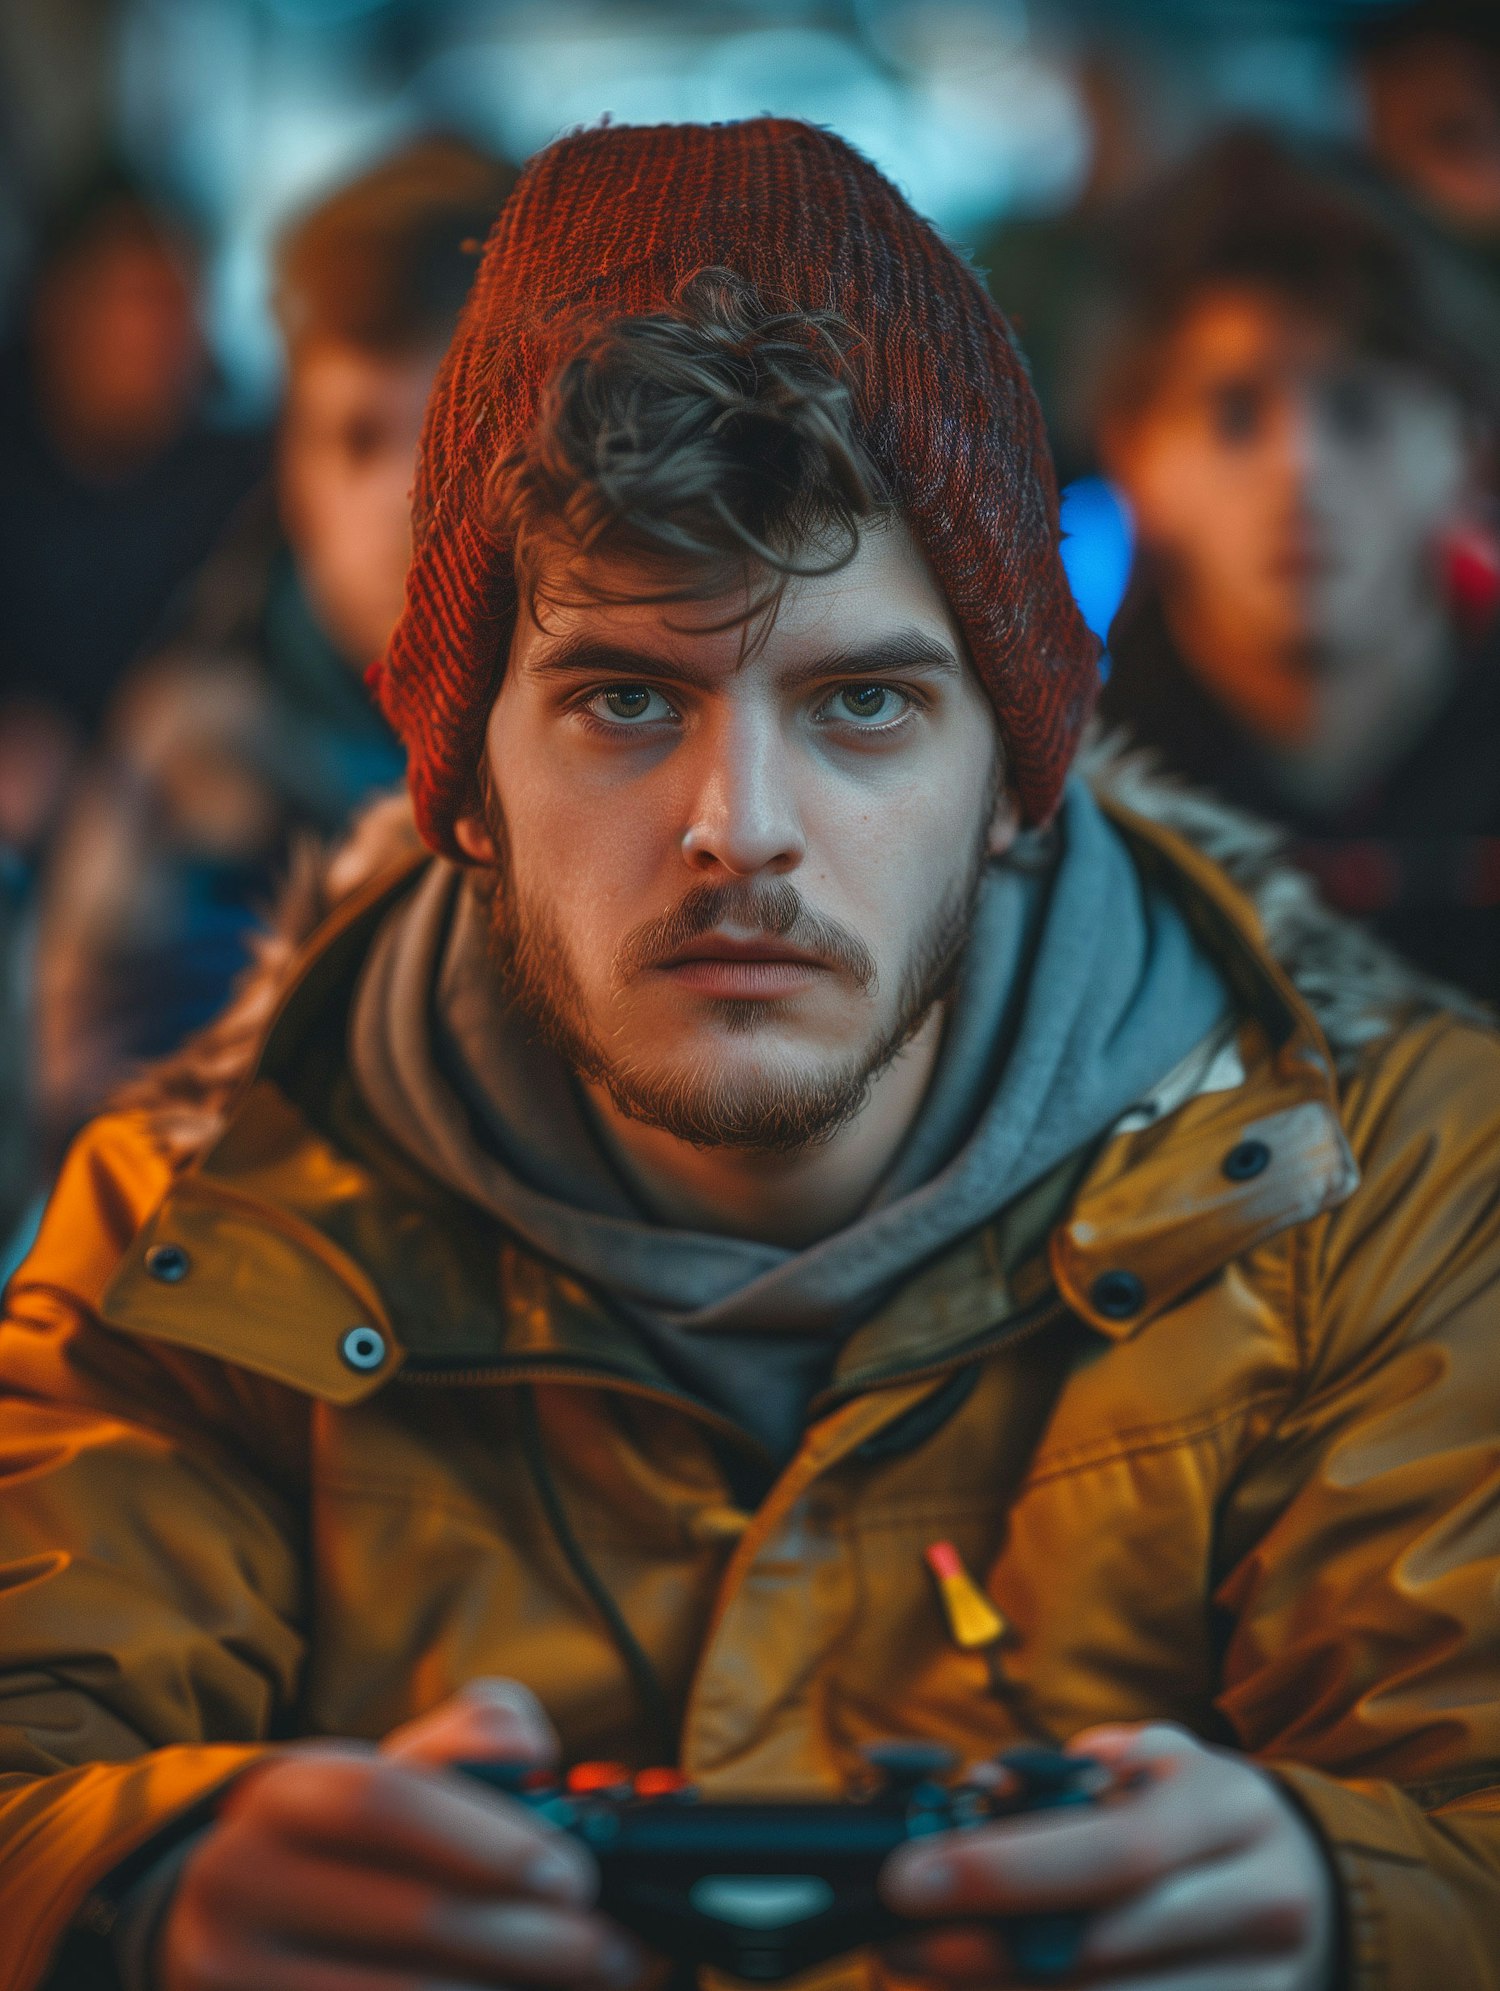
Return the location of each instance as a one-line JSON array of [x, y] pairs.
[[765, 1889], [903, 1766]]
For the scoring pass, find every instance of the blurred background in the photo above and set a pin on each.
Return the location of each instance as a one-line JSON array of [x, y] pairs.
[[1250, 247], [237, 111]]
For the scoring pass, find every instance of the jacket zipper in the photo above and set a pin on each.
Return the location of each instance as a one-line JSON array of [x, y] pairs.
[[1050, 1309], [490, 1373]]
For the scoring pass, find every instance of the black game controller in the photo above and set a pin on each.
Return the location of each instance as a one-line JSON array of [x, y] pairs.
[[764, 1890]]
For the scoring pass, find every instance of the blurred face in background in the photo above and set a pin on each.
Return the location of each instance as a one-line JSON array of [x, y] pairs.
[[347, 456], [1433, 110], [1293, 494], [118, 356]]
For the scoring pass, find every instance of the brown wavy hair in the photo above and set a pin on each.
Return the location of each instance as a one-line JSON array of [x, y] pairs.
[[708, 444], [1317, 231]]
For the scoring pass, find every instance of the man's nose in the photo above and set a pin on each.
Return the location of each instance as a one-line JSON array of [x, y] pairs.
[[1300, 442], [742, 816]]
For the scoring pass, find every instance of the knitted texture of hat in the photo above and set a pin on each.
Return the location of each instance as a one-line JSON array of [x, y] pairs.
[[609, 224]]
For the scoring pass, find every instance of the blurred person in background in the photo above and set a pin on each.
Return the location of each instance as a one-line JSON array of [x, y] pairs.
[[1429, 77], [1296, 399], [114, 481], [36, 758], [251, 728], [113, 484]]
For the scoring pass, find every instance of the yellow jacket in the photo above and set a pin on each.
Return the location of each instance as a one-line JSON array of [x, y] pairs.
[[1253, 1486]]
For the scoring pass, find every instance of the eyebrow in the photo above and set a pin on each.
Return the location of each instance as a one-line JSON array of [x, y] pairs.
[[908, 651]]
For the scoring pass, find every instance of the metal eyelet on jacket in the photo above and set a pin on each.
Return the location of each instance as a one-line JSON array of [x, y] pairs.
[[168, 1262], [363, 1348], [1118, 1294], [1247, 1160]]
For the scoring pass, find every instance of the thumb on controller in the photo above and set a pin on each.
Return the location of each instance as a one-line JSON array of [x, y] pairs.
[[486, 1721]]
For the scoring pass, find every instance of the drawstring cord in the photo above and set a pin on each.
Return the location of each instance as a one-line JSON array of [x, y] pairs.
[[975, 1625], [973, 1622], [643, 1679]]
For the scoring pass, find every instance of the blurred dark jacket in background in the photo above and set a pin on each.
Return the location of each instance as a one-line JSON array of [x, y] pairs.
[[88, 564], [1416, 854], [114, 480]]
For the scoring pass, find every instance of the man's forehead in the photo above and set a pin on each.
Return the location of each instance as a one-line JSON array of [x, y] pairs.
[[882, 610], [1246, 329], [333, 377]]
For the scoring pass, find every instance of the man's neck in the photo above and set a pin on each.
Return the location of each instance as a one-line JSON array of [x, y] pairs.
[[788, 1200], [1329, 721]]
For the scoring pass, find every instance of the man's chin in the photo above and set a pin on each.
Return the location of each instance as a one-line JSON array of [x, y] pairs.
[[805, 1030], [781, 1029], [765, 1105]]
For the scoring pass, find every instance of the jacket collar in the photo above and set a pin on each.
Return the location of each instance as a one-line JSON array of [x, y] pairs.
[[302, 1247], [1167, 1205]]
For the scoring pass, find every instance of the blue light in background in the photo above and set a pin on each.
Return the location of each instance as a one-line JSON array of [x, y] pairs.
[[1097, 548]]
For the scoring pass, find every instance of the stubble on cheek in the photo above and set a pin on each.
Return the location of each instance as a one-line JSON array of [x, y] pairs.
[[775, 1104]]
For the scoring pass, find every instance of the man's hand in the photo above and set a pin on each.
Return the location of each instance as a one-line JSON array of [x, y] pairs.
[[339, 1867], [1203, 1878]]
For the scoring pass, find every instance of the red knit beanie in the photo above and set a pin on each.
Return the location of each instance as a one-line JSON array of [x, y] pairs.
[[609, 224]]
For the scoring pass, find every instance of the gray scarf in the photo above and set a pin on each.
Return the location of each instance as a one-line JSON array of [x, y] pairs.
[[1080, 988]]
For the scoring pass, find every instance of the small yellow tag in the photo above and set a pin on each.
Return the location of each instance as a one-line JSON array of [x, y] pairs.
[[973, 1620]]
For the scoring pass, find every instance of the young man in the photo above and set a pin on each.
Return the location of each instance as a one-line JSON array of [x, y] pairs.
[[1300, 389], [788, 1127], [250, 731]]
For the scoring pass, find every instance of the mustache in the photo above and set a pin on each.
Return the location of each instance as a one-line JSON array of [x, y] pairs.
[[775, 908]]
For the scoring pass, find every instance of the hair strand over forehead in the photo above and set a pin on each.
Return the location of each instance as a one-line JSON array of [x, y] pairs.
[[700, 443]]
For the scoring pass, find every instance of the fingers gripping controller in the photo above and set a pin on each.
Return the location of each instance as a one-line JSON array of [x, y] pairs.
[[765, 1890]]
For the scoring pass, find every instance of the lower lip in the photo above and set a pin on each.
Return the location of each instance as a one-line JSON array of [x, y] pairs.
[[749, 981]]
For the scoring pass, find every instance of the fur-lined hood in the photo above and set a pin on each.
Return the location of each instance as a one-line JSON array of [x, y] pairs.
[[1358, 990]]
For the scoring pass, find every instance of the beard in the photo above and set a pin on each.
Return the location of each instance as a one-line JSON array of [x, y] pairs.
[[779, 1108]]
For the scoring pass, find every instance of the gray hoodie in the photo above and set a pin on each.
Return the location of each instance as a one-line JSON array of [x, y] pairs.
[[1081, 987]]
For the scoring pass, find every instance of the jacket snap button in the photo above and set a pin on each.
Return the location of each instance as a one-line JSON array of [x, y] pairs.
[[1247, 1160], [167, 1262], [1117, 1295], [363, 1348]]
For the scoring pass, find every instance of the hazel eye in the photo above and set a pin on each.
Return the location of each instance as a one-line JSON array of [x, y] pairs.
[[869, 704], [630, 704]]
